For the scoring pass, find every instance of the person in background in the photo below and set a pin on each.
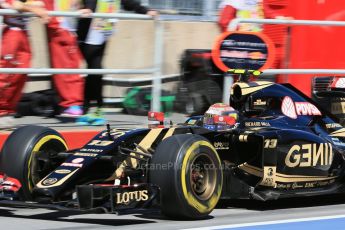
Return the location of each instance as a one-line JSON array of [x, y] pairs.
[[15, 53], [64, 53], [230, 9], [93, 35]]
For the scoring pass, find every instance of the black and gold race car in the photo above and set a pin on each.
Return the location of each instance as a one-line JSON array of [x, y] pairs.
[[283, 145]]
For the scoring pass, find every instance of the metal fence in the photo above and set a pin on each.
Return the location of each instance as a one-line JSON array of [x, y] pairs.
[[155, 70], [185, 7], [158, 55]]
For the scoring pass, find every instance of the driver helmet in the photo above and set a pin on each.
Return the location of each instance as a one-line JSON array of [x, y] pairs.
[[220, 117]]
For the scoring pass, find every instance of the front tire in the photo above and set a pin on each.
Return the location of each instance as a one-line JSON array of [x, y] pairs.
[[188, 171], [29, 154]]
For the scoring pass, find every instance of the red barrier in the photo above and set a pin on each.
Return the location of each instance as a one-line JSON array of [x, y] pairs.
[[315, 47]]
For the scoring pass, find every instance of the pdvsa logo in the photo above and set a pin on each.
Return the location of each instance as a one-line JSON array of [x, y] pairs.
[[293, 109]]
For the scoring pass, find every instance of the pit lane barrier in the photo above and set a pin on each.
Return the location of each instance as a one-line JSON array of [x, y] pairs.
[[158, 53], [233, 25], [156, 70]]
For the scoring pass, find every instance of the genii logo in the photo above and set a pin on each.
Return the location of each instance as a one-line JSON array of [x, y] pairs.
[[309, 155]]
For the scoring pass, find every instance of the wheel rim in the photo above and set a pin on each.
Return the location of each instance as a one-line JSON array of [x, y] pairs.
[[44, 160], [203, 177]]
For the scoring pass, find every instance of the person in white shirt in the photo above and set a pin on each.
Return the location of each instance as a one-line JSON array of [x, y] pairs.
[[92, 37]]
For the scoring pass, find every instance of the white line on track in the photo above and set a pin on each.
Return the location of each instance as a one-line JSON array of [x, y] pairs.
[[269, 222]]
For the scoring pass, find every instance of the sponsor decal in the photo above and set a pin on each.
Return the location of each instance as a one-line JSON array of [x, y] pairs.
[[291, 109], [286, 181], [288, 108], [243, 50], [242, 54], [306, 108], [89, 150], [333, 126], [259, 102], [299, 185], [88, 154], [257, 124], [126, 197], [269, 176], [115, 133], [221, 145], [49, 181], [72, 165], [63, 171], [224, 120], [338, 99], [77, 160], [100, 143], [308, 155]]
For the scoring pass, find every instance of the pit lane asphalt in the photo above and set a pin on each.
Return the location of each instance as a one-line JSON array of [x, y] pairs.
[[114, 117], [234, 212]]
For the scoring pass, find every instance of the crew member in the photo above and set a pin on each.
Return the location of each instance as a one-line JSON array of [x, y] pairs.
[[15, 53], [64, 53]]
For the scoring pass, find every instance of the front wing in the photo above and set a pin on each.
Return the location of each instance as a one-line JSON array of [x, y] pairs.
[[95, 198]]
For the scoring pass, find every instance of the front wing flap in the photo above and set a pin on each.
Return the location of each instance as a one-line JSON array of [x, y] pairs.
[[117, 198]]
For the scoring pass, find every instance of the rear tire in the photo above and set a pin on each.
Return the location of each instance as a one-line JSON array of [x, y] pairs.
[[28, 155], [188, 171]]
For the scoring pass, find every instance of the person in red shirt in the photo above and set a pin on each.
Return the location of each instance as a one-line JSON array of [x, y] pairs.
[[64, 53], [230, 9], [15, 53]]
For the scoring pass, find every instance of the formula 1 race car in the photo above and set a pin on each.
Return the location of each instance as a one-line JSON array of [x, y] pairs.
[[283, 145]]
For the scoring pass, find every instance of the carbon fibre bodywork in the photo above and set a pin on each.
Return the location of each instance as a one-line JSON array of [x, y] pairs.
[[330, 94]]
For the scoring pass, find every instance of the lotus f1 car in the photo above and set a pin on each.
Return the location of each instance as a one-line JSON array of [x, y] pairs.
[[284, 145]]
